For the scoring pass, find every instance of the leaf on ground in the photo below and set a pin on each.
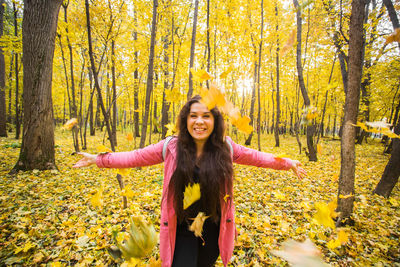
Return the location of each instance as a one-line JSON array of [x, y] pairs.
[[324, 214]]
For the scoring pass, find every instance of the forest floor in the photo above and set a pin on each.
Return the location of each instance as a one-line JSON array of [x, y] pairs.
[[47, 217]]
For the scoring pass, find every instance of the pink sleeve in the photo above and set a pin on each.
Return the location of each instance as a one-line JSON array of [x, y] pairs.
[[247, 156], [149, 155]]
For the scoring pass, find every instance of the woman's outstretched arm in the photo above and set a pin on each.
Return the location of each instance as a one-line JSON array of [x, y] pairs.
[[147, 156]]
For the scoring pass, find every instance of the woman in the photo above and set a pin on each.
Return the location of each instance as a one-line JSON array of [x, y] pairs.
[[200, 154]]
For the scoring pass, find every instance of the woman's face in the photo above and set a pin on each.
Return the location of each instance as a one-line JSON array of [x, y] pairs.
[[200, 122]]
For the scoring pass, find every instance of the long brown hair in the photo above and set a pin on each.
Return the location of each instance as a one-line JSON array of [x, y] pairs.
[[215, 165]]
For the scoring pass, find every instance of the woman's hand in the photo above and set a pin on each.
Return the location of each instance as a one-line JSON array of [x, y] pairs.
[[300, 172], [87, 160]]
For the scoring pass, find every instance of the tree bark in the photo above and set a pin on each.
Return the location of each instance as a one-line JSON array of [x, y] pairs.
[[150, 72], [192, 48], [3, 113], [39, 28], [258, 77], [347, 170]]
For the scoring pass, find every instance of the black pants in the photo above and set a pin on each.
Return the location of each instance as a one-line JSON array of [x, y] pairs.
[[189, 249]]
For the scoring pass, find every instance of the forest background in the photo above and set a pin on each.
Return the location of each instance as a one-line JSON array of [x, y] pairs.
[[283, 64]]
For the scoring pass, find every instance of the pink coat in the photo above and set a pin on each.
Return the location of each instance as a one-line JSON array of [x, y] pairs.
[[152, 154]]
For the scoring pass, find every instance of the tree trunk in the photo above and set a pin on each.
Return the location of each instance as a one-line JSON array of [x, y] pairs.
[[17, 107], [150, 72], [347, 170], [258, 77], [136, 84], [278, 103], [96, 80], [3, 113], [39, 28], [114, 95], [165, 103], [312, 155], [192, 48]]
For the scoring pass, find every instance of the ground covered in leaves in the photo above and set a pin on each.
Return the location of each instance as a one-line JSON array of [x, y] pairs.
[[66, 217]]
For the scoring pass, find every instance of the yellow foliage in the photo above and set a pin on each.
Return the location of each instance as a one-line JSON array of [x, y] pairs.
[[102, 149], [171, 129], [226, 72], [123, 171], [191, 195]]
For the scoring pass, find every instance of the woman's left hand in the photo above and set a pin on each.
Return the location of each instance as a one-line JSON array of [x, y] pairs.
[[300, 172]]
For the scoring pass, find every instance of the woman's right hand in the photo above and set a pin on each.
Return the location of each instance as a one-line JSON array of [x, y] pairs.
[[87, 160]]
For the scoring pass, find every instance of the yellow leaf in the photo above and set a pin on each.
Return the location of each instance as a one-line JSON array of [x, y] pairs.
[[171, 129], [342, 238], [141, 241], [56, 264], [394, 37], [132, 262], [102, 149], [319, 149], [279, 196], [123, 172], [212, 97], [225, 73], [191, 195], [324, 214], [127, 192], [129, 137], [243, 124], [70, 124], [197, 224], [289, 44], [200, 75], [226, 197], [97, 199], [346, 196]]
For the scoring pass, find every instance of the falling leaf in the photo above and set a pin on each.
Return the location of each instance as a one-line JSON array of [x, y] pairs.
[[324, 214], [200, 75], [70, 124], [129, 137], [243, 124], [191, 195], [97, 199], [123, 171], [289, 44], [102, 149], [381, 128], [226, 197], [197, 225], [171, 129], [319, 149], [309, 113], [342, 238], [212, 97], [394, 37], [225, 73], [141, 241], [127, 192], [300, 253]]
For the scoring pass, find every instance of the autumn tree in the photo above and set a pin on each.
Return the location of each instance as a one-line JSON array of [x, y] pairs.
[[391, 173], [150, 73], [312, 155], [347, 171], [39, 29], [3, 114]]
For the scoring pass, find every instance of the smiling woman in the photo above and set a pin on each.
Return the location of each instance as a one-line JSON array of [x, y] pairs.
[[201, 155]]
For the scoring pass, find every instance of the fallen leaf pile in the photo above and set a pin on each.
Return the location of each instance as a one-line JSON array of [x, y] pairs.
[[68, 217]]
